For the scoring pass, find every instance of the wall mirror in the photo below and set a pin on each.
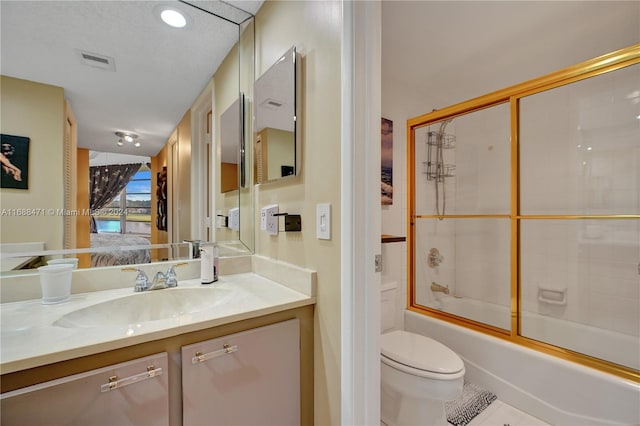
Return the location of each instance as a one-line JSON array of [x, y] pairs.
[[231, 149], [102, 71], [276, 139]]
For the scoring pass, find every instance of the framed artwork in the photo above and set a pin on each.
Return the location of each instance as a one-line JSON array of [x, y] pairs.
[[14, 156], [386, 154]]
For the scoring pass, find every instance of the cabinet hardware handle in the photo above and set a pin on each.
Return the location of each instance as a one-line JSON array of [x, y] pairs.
[[226, 349], [115, 383]]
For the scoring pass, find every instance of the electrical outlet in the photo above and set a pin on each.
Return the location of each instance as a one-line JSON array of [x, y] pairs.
[[263, 219], [268, 220]]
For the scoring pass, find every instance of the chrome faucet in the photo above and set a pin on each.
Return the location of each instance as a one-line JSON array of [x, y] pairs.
[[439, 288], [160, 280]]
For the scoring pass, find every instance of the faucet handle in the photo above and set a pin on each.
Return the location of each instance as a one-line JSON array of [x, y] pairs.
[[171, 279], [142, 281], [434, 258]]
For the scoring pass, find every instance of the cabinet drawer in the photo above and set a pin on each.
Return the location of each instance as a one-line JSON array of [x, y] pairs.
[[248, 378], [130, 393]]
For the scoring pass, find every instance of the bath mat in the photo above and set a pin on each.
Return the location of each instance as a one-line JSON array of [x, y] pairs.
[[469, 404]]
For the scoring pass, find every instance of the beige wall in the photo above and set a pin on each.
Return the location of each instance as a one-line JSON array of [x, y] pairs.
[[36, 111], [225, 93], [314, 27], [184, 178]]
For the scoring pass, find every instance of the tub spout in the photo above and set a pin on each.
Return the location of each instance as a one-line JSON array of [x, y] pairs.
[[435, 287]]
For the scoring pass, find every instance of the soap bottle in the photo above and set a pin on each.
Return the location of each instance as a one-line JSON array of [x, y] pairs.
[[208, 263], [214, 247]]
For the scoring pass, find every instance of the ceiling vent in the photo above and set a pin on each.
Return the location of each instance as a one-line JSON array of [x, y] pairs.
[[96, 60], [272, 103]]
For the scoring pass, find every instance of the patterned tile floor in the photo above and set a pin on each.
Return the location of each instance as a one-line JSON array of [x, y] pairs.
[[500, 414]]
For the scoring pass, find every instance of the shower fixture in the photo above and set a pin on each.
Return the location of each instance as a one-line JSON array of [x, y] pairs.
[[435, 258], [435, 167], [437, 288]]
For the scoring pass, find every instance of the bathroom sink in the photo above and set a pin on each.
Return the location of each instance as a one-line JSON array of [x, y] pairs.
[[138, 308]]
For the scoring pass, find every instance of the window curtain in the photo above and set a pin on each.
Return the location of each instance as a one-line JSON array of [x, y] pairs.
[[106, 182]]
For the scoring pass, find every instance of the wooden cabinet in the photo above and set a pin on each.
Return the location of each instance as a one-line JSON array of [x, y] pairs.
[[130, 393], [267, 380], [247, 378]]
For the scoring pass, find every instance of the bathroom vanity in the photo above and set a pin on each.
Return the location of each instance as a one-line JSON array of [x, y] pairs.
[[237, 352]]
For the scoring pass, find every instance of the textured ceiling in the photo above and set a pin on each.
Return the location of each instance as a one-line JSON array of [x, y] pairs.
[[159, 70]]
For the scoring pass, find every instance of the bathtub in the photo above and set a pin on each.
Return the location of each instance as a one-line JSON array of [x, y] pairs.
[[615, 347], [554, 390]]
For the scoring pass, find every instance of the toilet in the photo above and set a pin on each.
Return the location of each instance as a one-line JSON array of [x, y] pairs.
[[418, 374]]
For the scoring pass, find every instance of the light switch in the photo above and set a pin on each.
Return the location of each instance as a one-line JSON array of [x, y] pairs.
[[323, 221], [234, 218]]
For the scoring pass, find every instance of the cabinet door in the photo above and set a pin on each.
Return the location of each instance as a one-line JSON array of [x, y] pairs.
[[248, 378], [130, 393]]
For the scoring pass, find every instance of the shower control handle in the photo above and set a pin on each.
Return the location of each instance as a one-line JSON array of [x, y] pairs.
[[435, 258]]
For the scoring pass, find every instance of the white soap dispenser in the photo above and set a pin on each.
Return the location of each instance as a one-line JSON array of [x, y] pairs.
[[208, 263]]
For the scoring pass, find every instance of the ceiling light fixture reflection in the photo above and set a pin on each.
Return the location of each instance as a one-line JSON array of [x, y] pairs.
[[127, 137], [173, 18]]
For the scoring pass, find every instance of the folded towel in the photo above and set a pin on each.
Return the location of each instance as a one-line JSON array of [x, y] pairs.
[[469, 404]]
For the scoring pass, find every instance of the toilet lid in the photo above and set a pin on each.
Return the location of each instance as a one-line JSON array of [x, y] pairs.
[[420, 352]]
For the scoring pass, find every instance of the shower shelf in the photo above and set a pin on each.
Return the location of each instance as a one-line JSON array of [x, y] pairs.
[[430, 169], [447, 140]]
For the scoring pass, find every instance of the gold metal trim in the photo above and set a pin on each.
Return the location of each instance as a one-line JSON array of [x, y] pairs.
[[576, 216], [463, 216], [462, 321], [526, 217], [410, 214], [514, 112], [597, 66]]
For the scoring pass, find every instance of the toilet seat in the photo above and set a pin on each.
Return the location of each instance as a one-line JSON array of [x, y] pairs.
[[420, 356]]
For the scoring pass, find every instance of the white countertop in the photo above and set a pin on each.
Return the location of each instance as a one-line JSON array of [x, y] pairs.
[[29, 336]]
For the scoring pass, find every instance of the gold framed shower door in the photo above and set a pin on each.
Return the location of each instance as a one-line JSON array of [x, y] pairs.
[[512, 95]]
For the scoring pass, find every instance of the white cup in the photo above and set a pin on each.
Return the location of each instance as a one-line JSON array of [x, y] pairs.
[[66, 261], [55, 281]]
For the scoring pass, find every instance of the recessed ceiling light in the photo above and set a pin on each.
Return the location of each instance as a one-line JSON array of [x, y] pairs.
[[173, 18], [127, 137]]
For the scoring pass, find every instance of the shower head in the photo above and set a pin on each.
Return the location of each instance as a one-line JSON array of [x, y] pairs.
[[443, 125]]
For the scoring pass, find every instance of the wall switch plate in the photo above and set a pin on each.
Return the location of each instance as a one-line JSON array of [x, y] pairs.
[[234, 219], [269, 220], [323, 221]]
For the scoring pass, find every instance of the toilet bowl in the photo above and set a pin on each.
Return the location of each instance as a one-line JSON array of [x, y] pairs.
[[418, 375]]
